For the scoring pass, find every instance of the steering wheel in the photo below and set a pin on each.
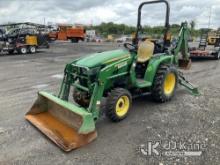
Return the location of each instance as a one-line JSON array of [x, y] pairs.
[[130, 47]]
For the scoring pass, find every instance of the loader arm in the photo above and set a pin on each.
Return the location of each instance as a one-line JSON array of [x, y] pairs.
[[66, 83]]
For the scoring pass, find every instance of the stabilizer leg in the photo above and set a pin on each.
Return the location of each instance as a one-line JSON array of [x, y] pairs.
[[190, 87]]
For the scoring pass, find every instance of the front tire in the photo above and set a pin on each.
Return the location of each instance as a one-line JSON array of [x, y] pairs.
[[165, 83], [118, 105]]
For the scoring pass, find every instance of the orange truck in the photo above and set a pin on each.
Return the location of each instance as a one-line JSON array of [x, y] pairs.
[[66, 32]]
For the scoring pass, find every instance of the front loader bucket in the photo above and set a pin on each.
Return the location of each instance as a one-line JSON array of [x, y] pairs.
[[66, 124], [185, 64]]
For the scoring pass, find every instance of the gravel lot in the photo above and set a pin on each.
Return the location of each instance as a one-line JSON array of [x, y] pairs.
[[189, 119]]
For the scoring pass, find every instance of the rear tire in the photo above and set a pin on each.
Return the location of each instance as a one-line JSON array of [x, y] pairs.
[[32, 49], [118, 104], [22, 50], [165, 83]]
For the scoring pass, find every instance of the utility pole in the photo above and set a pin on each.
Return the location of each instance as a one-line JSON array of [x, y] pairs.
[[44, 21], [210, 16]]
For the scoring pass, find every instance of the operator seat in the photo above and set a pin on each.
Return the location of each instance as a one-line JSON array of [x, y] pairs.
[[145, 51]]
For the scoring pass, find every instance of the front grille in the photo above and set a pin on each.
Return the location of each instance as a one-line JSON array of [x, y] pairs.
[[80, 74]]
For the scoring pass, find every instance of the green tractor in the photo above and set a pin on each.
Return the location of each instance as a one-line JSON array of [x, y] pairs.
[[143, 67]]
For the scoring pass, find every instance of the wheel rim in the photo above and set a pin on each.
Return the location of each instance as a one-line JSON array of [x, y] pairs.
[[169, 83], [122, 106], [32, 49], [23, 50]]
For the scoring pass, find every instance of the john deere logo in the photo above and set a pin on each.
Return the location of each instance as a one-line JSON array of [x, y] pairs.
[[122, 65]]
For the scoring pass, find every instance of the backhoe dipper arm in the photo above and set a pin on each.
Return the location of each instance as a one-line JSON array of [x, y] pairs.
[[182, 44]]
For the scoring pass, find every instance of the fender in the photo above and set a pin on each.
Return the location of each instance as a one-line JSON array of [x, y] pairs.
[[154, 63]]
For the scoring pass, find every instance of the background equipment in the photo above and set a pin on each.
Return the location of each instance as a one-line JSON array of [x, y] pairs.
[[68, 32], [24, 38], [208, 47], [213, 36]]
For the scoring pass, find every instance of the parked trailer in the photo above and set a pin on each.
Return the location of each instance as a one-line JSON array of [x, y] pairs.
[[205, 53]]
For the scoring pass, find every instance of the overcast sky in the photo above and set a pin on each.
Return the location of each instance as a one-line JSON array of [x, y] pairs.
[[118, 11]]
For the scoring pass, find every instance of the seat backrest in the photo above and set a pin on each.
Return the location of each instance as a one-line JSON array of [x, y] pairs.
[[145, 51]]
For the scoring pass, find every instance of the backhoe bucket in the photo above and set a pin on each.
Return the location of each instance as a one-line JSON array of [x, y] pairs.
[[185, 64], [66, 124]]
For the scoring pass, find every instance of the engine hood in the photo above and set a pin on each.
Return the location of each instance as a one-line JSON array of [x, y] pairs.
[[97, 59]]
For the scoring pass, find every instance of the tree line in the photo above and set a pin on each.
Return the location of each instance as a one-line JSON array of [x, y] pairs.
[[105, 29]]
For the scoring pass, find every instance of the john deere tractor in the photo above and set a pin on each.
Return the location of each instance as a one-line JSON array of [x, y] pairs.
[[143, 67]]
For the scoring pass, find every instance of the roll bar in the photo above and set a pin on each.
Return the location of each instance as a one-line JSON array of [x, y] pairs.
[[166, 18]]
